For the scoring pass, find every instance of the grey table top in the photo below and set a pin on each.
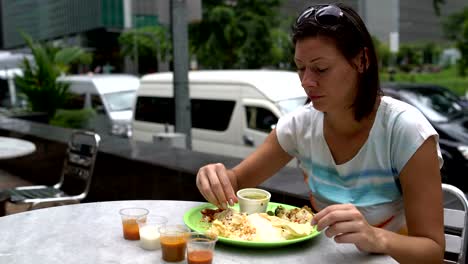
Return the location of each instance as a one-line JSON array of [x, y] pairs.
[[14, 147], [92, 233]]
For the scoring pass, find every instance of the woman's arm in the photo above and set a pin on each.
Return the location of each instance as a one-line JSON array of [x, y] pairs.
[[422, 193], [219, 185], [261, 164]]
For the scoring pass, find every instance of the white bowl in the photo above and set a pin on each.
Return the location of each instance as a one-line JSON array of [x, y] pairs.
[[253, 200]]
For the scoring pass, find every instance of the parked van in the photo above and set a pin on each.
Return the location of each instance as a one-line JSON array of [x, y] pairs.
[[112, 96], [232, 110]]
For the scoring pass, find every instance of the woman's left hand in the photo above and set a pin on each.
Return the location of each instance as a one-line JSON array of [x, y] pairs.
[[346, 224]]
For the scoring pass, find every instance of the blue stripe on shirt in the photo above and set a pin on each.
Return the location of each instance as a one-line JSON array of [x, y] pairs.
[[327, 183]]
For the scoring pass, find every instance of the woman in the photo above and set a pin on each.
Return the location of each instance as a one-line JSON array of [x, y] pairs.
[[371, 162]]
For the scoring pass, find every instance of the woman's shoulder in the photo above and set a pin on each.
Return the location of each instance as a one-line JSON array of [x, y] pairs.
[[396, 110], [398, 116], [306, 111], [300, 118]]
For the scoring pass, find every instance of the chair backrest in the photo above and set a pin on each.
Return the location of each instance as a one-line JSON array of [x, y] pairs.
[[79, 164], [455, 223]]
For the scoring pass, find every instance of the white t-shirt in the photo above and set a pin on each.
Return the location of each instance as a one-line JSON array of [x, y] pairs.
[[370, 179]]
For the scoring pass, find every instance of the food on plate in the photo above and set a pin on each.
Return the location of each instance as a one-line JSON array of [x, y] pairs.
[[208, 215], [297, 215], [286, 224]]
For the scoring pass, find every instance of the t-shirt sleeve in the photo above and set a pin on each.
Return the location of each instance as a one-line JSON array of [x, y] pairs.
[[410, 131], [286, 130]]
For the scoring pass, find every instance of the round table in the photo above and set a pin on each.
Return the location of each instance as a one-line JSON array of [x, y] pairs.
[[92, 233], [14, 147]]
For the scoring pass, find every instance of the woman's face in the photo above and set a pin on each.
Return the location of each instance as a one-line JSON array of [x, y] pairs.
[[329, 80]]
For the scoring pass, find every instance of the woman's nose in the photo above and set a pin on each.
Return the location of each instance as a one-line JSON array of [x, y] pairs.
[[309, 79]]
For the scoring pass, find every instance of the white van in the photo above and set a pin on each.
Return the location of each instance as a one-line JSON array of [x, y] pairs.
[[112, 96], [232, 110]]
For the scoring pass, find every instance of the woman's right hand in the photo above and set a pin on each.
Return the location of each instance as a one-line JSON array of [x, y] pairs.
[[217, 184]]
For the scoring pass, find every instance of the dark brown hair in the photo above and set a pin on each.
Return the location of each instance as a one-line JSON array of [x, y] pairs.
[[351, 38]]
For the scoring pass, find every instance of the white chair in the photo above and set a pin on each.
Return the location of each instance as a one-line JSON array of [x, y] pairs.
[[455, 223]]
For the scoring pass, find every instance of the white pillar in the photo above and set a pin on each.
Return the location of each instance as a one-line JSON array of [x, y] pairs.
[[127, 9], [129, 65], [12, 88]]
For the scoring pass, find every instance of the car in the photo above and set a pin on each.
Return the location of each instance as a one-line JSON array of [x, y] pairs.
[[449, 118], [110, 95], [464, 101]]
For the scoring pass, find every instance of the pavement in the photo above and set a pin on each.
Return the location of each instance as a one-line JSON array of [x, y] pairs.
[[7, 181]]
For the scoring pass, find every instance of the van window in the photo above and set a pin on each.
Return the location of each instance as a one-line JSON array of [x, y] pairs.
[[260, 119], [155, 110], [120, 101], [4, 93], [96, 103], [75, 101], [206, 114]]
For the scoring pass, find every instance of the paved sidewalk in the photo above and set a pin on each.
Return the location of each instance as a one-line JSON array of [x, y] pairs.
[[7, 181]]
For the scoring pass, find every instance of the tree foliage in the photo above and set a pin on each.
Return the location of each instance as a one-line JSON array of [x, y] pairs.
[[436, 5], [38, 82], [456, 28], [151, 41], [239, 34], [383, 52]]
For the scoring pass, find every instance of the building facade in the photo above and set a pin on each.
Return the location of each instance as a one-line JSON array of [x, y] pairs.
[[92, 24]]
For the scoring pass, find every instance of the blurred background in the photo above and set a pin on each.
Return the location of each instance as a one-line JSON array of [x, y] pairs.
[[79, 64]]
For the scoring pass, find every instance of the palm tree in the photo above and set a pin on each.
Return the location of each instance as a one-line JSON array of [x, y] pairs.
[[39, 83]]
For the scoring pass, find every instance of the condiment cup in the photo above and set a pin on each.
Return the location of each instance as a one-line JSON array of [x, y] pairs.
[[129, 221], [200, 247], [149, 231], [173, 239], [253, 200]]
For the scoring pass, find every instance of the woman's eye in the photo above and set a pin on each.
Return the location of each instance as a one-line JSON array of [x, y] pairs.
[[322, 70], [300, 69]]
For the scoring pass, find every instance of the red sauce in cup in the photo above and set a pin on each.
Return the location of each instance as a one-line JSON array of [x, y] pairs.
[[200, 257], [131, 230], [173, 248]]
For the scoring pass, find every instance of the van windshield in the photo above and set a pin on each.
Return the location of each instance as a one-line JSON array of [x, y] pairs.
[[120, 101], [289, 105]]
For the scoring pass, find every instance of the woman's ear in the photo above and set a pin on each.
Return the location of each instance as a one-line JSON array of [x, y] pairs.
[[362, 60]]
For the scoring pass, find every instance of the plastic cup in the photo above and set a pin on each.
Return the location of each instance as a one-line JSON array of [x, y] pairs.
[[173, 240], [200, 248], [253, 200], [149, 231], [129, 221]]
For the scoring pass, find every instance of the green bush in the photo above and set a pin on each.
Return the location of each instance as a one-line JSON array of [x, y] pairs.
[[72, 118], [447, 77]]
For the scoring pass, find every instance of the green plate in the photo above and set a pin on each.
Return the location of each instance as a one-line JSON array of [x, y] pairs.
[[192, 219]]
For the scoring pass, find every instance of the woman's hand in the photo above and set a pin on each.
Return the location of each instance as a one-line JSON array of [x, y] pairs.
[[346, 224], [217, 185]]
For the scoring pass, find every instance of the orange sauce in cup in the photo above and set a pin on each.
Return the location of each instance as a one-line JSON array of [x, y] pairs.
[[200, 257], [173, 248], [131, 230]]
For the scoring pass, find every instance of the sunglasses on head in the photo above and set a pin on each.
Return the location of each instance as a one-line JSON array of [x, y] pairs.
[[325, 15]]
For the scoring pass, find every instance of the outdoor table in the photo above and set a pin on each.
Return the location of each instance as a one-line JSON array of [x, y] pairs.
[[14, 147], [92, 233]]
